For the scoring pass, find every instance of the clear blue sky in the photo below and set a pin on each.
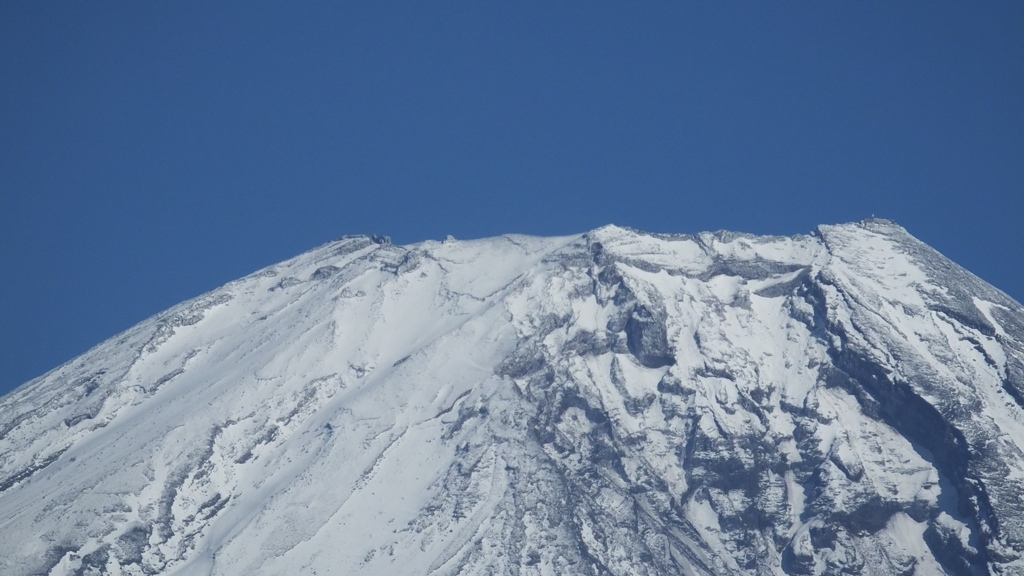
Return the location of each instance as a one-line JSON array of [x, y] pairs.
[[150, 151]]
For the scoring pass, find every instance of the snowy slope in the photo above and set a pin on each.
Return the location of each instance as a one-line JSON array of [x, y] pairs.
[[614, 402]]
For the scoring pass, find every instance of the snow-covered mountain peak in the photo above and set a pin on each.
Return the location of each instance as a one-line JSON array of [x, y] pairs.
[[614, 402]]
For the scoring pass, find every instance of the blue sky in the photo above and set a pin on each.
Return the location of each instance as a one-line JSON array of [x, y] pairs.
[[152, 151]]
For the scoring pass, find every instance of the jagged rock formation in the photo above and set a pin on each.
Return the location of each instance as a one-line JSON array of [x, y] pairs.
[[846, 402]]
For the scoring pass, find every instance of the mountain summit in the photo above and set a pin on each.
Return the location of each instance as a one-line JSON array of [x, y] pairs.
[[609, 403]]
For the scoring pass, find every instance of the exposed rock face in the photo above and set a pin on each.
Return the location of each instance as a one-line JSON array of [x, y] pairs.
[[847, 402]]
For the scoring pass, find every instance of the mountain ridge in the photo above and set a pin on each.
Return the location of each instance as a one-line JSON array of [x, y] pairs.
[[612, 402]]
